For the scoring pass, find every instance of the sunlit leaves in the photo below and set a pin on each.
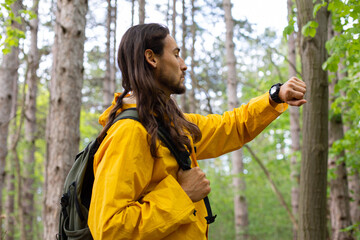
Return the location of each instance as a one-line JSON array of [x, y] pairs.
[[13, 34], [310, 29], [289, 29]]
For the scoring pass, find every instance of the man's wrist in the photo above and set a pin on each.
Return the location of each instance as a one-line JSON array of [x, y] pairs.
[[274, 93]]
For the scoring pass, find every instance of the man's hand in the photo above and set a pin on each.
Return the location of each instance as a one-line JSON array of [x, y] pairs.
[[292, 92], [194, 183]]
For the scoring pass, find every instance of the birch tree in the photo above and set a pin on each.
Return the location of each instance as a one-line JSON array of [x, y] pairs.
[[313, 180], [65, 102], [240, 205]]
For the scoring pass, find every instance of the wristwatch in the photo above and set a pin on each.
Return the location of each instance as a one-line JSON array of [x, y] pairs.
[[274, 93]]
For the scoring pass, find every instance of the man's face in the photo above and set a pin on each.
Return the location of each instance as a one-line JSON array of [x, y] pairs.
[[170, 71]]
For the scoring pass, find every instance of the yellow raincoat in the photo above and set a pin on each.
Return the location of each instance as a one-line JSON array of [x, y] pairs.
[[137, 197]]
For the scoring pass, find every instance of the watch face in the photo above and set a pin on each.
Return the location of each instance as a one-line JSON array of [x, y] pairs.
[[272, 90]]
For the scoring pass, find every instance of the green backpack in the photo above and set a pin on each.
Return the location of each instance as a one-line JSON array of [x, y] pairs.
[[75, 201]]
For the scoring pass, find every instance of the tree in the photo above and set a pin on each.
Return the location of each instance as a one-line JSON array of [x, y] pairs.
[[8, 77], [65, 102], [313, 180], [173, 32], [192, 105], [109, 80], [344, 50], [240, 205], [141, 11], [30, 127], [183, 50], [294, 123]]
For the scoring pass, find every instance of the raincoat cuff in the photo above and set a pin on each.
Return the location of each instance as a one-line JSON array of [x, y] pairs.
[[280, 108]]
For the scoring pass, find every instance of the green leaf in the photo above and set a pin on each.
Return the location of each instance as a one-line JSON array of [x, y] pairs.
[[310, 29], [6, 50], [314, 24], [312, 32]]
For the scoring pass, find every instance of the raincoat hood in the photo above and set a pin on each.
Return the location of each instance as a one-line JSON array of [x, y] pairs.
[[103, 119]]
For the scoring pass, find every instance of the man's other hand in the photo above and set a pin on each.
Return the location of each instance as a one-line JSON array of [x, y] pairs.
[[194, 183]]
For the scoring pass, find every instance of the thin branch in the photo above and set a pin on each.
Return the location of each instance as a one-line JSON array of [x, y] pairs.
[[286, 59], [274, 188]]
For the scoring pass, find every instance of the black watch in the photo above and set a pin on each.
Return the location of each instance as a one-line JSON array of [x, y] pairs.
[[274, 93]]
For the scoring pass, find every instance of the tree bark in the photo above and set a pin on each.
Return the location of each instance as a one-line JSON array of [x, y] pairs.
[[240, 204], [141, 11], [8, 76], [65, 104], [192, 100], [174, 20], [10, 202], [114, 48], [354, 194], [294, 127], [184, 106], [14, 173], [132, 12], [30, 128], [313, 180], [109, 80]]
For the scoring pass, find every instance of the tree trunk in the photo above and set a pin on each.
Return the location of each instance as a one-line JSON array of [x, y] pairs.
[[8, 76], [10, 201], [174, 20], [14, 173], [132, 12], [114, 48], [192, 100], [339, 194], [65, 104], [141, 11], [313, 180], [107, 91], [294, 126], [183, 51], [30, 128], [354, 193], [240, 205], [353, 173]]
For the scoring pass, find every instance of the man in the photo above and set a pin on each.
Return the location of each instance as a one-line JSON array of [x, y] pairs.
[[139, 191]]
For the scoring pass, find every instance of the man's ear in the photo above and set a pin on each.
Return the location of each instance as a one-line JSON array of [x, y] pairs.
[[151, 58]]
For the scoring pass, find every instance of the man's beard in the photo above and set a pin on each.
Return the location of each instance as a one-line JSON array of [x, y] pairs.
[[180, 89]]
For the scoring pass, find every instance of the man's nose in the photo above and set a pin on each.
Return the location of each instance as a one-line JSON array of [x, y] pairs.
[[183, 66]]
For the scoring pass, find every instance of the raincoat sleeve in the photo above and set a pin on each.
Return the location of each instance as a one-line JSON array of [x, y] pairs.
[[120, 206], [228, 132]]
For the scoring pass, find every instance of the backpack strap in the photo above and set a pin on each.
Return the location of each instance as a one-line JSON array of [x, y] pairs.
[[130, 113], [182, 157]]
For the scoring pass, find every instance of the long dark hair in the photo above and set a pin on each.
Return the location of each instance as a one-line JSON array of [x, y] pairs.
[[152, 104]]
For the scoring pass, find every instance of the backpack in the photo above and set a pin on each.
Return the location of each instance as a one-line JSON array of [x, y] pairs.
[[75, 201]]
